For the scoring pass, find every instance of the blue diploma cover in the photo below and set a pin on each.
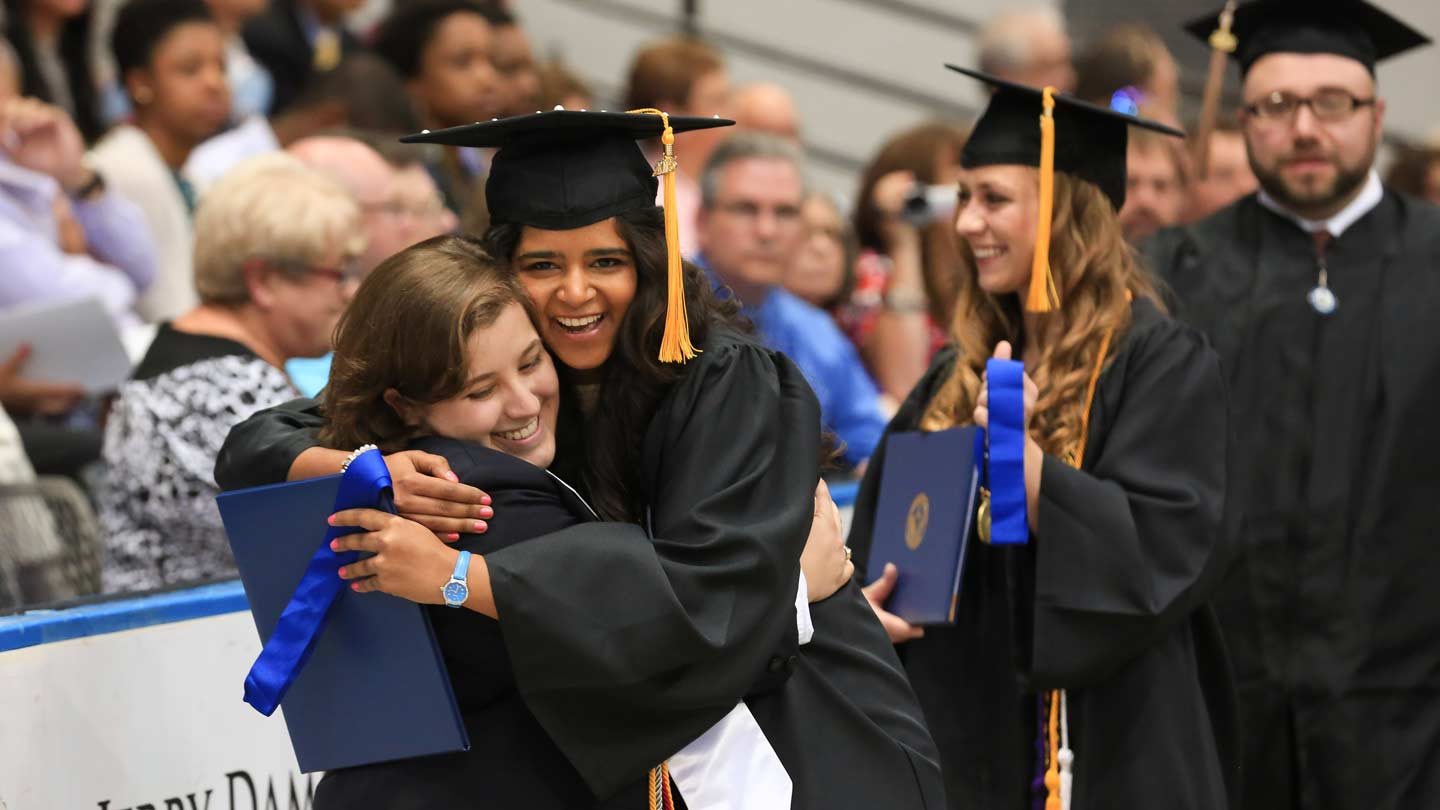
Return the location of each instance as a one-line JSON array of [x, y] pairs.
[[923, 520], [361, 677]]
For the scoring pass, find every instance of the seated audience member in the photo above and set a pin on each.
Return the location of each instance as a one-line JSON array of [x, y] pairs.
[[51, 41], [823, 272], [749, 230], [907, 271], [171, 57], [297, 40], [560, 86], [275, 256], [416, 200], [682, 76], [399, 207], [1229, 177], [1133, 58], [1157, 174], [362, 94], [767, 107], [252, 88], [514, 63], [442, 50], [62, 234], [1416, 171], [1029, 46]]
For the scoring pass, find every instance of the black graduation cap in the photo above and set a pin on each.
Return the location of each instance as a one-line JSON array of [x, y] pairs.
[[1090, 140], [1351, 28], [1027, 126], [566, 169]]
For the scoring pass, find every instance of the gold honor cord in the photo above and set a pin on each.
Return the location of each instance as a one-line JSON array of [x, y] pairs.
[[1058, 772], [1222, 44], [1043, 296], [675, 346]]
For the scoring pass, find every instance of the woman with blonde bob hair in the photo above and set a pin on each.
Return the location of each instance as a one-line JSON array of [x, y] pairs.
[[275, 250], [1083, 668]]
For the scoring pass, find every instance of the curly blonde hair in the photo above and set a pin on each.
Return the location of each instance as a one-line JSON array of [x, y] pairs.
[[1096, 273]]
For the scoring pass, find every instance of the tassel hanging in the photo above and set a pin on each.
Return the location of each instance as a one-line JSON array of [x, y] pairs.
[[1043, 296], [675, 345], [1222, 44]]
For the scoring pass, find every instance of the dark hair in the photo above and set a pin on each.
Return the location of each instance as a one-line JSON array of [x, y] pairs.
[[407, 31], [1411, 169], [634, 379], [1126, 55], [408, 328], [74, 47], [916, 151], [142, 24], [665, 72], [371, 91]]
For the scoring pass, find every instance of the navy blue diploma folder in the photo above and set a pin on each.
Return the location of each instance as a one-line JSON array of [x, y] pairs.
[[922, 520], [375, 687]]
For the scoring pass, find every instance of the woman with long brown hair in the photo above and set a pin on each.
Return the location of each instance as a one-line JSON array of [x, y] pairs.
[[1083, 667]]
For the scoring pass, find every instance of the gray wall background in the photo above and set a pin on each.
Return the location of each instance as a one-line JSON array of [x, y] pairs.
[[862, 70]]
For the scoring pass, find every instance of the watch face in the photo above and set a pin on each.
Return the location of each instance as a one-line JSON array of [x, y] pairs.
[[456, 592]]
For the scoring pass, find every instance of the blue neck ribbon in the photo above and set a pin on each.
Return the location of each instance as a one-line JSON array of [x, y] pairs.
[[362, 486], [1002, 466]]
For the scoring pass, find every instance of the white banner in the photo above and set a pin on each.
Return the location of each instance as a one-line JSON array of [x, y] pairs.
[[144, 719]]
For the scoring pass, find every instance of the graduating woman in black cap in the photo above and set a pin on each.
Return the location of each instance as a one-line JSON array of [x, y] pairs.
[[1082, 668], [632, 638]]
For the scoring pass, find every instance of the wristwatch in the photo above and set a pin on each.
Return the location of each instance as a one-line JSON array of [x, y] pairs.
[[457, 590]]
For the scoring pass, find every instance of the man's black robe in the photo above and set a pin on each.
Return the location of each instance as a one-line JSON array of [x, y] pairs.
[[626, 647], [1333, 614], [1107, 600]]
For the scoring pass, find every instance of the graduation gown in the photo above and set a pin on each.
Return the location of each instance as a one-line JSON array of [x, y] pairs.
[[1332, 613], [627, 644], [512, 762], [1107, 599]]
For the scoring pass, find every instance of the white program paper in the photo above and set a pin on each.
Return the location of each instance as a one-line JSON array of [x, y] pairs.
[[72, 341]]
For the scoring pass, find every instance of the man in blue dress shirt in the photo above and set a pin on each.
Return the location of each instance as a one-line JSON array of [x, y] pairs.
[[748, 228]]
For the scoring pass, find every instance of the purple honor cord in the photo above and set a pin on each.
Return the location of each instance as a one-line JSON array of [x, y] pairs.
[[303, 620]]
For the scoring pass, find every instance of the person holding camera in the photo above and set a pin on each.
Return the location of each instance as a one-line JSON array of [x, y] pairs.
[[906, 273]]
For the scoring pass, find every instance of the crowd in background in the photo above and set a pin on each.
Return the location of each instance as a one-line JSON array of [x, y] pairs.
[[221, 174]]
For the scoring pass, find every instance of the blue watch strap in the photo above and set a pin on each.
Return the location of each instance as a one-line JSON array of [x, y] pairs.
[[462, 566]]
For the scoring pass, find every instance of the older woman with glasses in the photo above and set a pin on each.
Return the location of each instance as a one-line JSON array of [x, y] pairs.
[[275, 265]]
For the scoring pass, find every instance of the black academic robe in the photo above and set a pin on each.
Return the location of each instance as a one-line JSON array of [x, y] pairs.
[[1332, 613], [1107, 599], [626, 644], [512, 762]]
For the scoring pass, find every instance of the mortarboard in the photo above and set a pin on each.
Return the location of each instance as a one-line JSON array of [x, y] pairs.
[[1028, 126], [1350, 28], [566, 169]]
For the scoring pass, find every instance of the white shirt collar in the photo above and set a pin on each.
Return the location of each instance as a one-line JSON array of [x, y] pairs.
[[1364, 202]]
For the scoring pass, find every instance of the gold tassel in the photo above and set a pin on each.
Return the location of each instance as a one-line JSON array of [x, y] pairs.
[[1222, 44], [675, 346], [1043, 296]]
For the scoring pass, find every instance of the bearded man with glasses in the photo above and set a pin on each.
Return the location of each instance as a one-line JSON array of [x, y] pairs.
[[1321, 293]]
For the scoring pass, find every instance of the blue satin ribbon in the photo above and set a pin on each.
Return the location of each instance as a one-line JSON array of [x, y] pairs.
[[1003, 467], [303, 620]]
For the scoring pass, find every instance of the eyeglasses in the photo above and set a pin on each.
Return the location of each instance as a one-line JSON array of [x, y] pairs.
[[1329, 106], [349, 271], [785, 215]]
